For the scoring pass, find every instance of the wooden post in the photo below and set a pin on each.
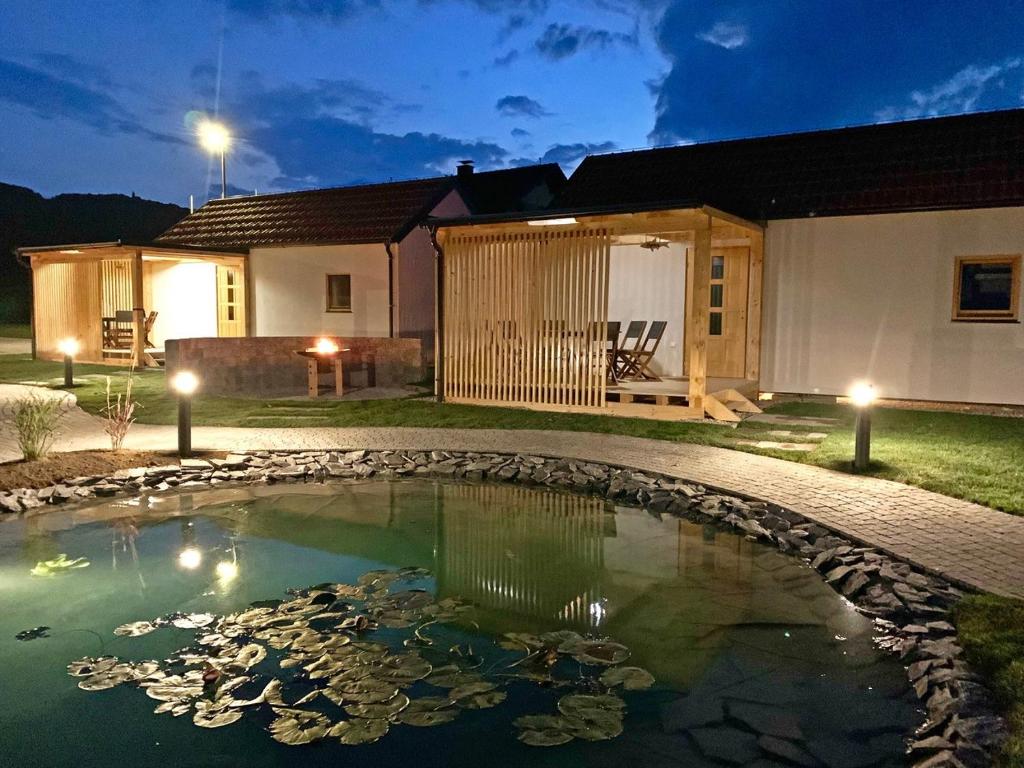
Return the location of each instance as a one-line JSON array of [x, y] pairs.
[[313, 374], [138, 313], [699, 314], [754, 308], [339, 376]]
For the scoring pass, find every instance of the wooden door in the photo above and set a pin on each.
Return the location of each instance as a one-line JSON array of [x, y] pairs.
[[727, 311], [230, 301]]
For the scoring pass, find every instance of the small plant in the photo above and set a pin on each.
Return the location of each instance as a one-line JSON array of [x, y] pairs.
[[120, 413], [35, 419]]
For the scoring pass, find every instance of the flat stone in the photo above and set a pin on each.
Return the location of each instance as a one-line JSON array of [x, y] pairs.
[[787, 750], [692, 712], [771, 721], [728, 745], [931, 744]]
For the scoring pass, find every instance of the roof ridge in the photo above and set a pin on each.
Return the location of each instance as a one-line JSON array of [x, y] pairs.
[[318, 190], [811, 132]]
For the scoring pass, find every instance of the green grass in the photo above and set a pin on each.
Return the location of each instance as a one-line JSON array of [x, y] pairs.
[[979, 458], [12, 331], [991, 630]]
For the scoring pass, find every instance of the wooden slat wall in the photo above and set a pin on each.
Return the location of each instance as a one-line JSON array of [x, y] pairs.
[[67, 304], [525, 317], [116, 277]]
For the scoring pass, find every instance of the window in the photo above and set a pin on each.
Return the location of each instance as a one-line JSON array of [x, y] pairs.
[[986, 288], [715, 324], [339, 293]]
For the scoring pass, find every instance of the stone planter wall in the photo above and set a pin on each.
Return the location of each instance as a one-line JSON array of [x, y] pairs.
[[911, 609], [269, 365]]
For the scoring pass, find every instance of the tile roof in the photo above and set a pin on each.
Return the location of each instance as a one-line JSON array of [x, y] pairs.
[[966, 161], [371, 213]]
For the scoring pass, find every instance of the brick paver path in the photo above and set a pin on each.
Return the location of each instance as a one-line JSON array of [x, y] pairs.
[[965, 542]]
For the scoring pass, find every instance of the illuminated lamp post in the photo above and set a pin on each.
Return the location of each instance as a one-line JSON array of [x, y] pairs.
[[862, 395], [215, 139], [69, 348], [184, 384]]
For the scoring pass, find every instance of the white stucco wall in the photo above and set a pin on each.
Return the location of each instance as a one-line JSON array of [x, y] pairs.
[[185, 298], [289, 290], [651, 285], [857, 297]]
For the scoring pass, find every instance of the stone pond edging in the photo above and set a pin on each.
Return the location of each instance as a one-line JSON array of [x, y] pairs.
[[910, 608]]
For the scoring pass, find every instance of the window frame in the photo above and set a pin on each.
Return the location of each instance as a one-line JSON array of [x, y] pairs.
[[327, 291], [1011, 315]]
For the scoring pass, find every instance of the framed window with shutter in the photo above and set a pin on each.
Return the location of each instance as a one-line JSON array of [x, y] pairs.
[[986, 288], [339, 293]]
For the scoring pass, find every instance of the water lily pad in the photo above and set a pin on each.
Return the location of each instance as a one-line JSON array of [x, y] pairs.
[[580, 704], [552, 737], [471, 689], [135, 629], [367, 691], [192, 620], [89, 666], [482, 700], [427, 718], [298, 726], [358, 730], [382, 711], [249, 656], [600, 653], [271, 694], [216, 718], [630, 678]]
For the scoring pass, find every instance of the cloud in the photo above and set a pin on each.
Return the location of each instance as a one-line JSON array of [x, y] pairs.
[[506, 59], [962, 92], [806, 66], [50, 97], [74, 69], [725, 34], [560, 41], [324, 11], [233, 191], [520, 106], [520, 133]]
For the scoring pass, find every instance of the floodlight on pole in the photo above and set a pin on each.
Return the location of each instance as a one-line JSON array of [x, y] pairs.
[[69, 348], [184, 383], [215, 139], [862, 395]]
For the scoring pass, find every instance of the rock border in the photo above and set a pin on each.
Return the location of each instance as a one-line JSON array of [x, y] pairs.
[[910, 608]]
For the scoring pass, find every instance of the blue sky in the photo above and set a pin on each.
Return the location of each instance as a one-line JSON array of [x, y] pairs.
[[102, 95]]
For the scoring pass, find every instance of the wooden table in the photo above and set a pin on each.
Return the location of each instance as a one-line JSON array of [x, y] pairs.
[[316, 362]]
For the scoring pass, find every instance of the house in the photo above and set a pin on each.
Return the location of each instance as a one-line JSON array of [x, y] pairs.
[[345, 262], [799, 263]]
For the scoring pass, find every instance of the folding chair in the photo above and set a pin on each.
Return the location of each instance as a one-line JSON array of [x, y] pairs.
[[639, 362], [611, 346], [624, 352]]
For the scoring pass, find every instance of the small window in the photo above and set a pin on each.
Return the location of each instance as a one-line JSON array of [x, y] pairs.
[[717, 267], [986, 288], [339, 293], [716, 295], [715, 328]]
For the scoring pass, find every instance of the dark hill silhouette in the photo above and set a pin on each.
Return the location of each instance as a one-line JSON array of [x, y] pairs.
[[27, 218]]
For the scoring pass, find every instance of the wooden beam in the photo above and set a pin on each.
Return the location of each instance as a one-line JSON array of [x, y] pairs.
[[755, 302], [715, 213], [138, 312], [698, 343]]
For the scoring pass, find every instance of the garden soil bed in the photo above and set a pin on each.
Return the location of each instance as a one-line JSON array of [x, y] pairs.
[[60, 467]]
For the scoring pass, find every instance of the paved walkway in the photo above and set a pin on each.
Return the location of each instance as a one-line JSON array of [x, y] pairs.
[[9, 346], [965, 542]]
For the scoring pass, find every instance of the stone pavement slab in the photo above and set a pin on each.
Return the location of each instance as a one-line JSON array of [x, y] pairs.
[[966, 543], [9, 346]]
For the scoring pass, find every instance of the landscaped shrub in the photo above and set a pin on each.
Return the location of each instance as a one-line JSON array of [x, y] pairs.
[[35, 419], [120, 413]]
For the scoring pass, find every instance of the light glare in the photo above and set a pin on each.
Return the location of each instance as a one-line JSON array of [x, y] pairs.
[[214, 136], [326, 347], [184, 382], [552, 222], [190, 558], [226, 570], [68, 347], [862, 394]]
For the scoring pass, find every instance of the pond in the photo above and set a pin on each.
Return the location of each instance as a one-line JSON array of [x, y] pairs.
[[445, 624]]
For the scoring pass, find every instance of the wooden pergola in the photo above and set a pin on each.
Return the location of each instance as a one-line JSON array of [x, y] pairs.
[[77, 288], [523, 310]]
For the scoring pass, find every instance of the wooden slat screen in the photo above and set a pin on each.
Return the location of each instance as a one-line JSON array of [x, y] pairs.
[[66, 304], [116, 275], [525, 317]]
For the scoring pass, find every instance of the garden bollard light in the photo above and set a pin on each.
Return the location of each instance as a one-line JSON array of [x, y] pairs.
[[862, 395], [184, 383]]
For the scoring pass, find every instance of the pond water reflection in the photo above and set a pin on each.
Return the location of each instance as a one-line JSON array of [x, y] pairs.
[[754, 657]]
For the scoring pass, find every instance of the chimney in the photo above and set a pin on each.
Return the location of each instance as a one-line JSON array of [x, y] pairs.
[[465, 169]]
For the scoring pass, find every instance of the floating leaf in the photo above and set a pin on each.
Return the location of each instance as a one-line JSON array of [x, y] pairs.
[[600, 653], [630, 678], [383, 711], [215, 718], [482, 700], [546, 738], [298, 726], [578, 704], [471, 689], [90, 666], [32, 634], [192, 620], [135, 629], [427, 718], [358, 730]]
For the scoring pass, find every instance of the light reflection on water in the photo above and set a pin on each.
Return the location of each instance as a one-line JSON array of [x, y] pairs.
[[722, 622]]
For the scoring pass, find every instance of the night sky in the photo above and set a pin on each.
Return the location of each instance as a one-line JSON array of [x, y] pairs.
[[103, 95]]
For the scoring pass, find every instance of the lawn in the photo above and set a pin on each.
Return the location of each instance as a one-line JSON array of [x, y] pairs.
[[979, 458], [991, 630], [12, 331]]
